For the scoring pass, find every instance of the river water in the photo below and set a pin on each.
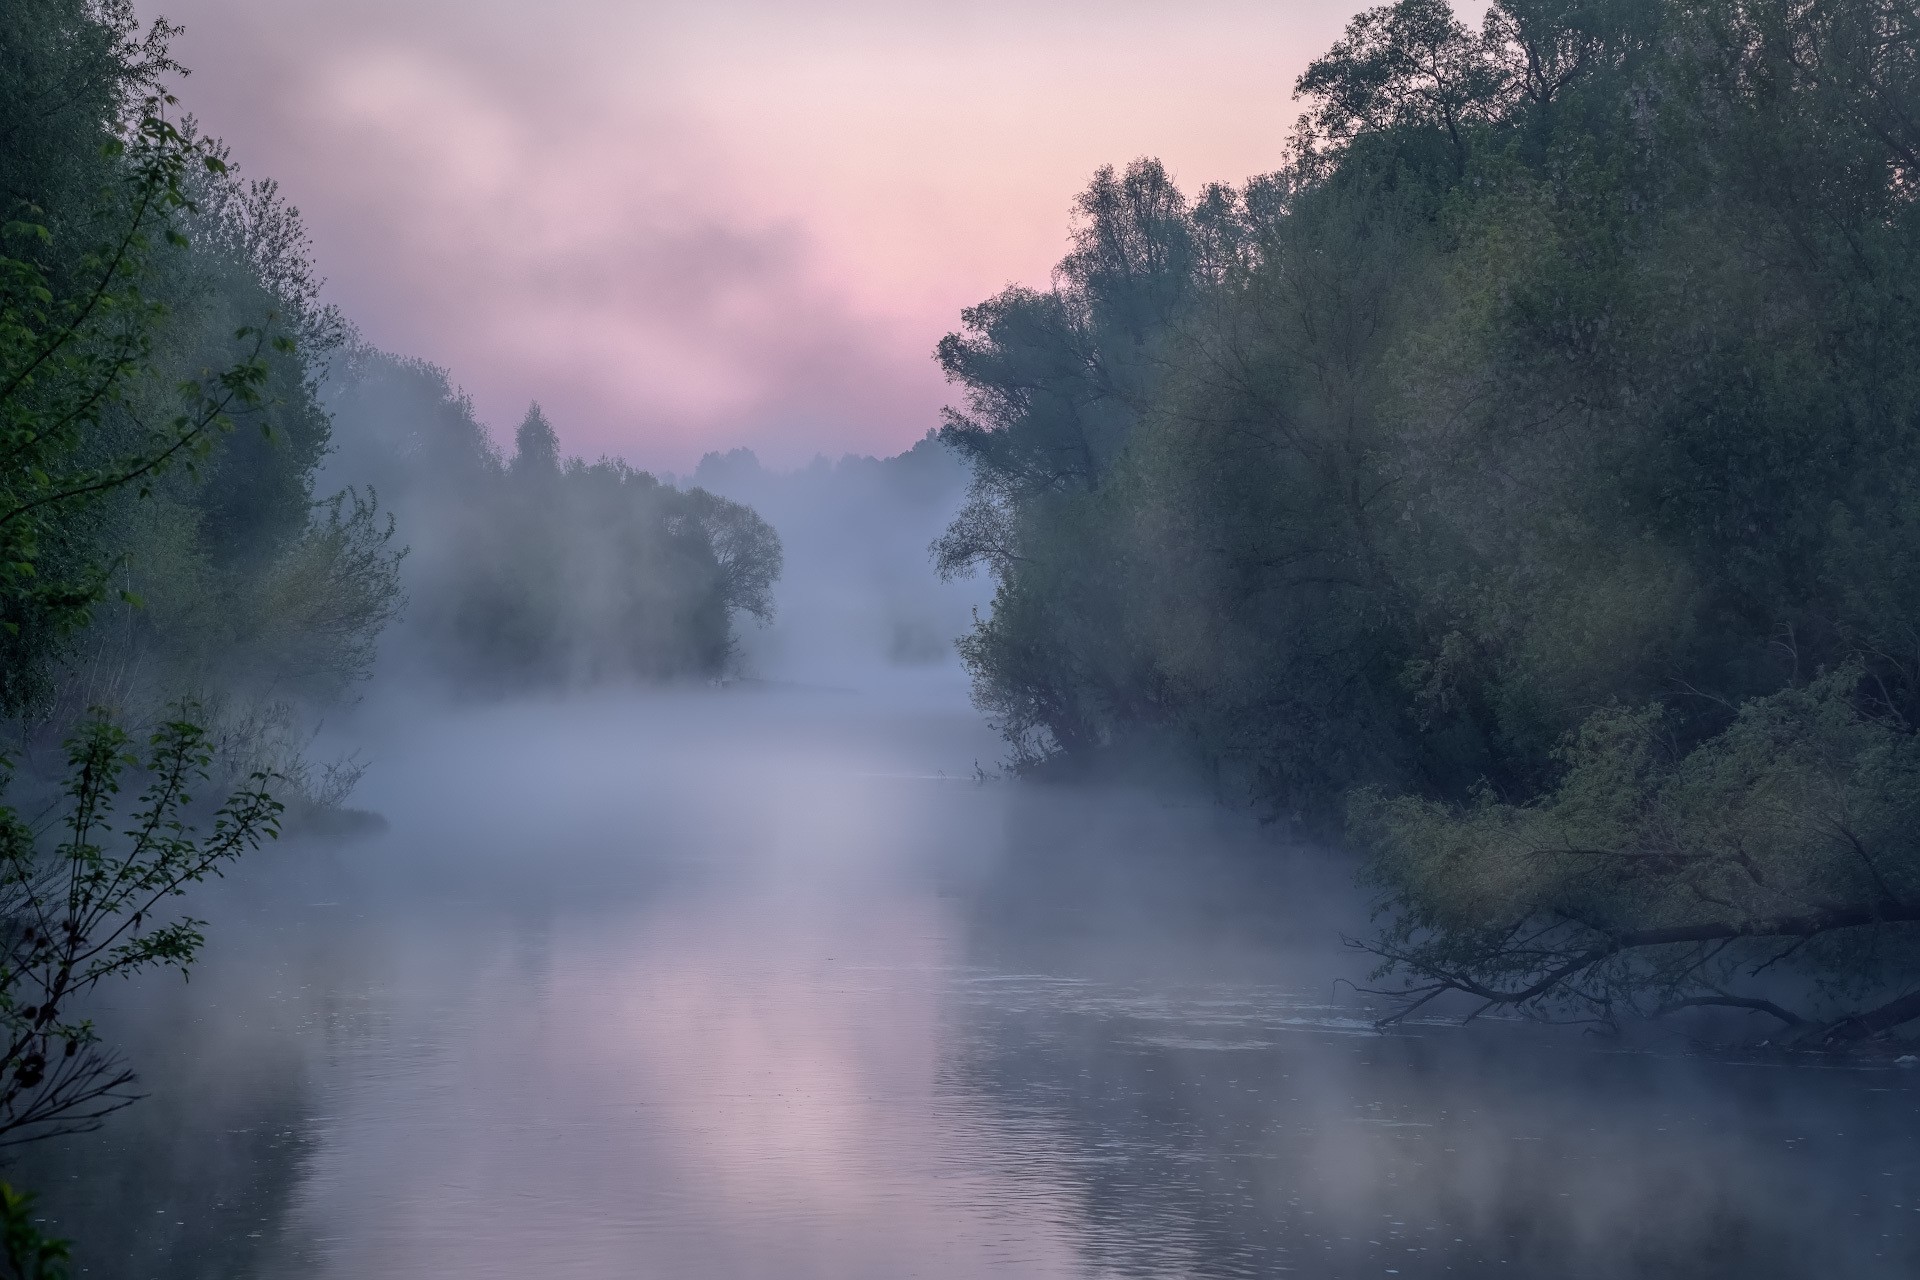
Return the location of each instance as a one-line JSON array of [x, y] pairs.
[[765, 983]]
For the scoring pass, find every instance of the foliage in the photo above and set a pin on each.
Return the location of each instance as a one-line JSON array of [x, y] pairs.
[[68, 365], [537, 570], [746, 552], [94, 901], [1650, 881], [152, 298], [1411, 66], [75, 78], [148, 302], [28, 1252], [1569, 366]]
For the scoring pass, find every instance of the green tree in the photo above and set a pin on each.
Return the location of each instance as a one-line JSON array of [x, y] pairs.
[[1569, 367], [95, 902], [1407, 68], [70, 432], [1648, 881]]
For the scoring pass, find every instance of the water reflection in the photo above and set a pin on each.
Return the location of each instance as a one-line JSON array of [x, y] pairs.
[[763, 987]]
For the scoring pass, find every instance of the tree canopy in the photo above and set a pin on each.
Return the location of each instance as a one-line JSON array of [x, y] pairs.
[[1563, 381]]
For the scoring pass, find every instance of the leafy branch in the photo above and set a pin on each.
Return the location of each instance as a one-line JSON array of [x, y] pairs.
[[92, 904], [70, 359]]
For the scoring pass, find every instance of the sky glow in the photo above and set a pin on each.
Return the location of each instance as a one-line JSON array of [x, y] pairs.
[[684, 227]]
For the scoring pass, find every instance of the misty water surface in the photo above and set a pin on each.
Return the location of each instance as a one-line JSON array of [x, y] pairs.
[[763, 983]]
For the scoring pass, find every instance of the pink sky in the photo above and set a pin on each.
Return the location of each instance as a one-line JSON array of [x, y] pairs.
[[688, 226]]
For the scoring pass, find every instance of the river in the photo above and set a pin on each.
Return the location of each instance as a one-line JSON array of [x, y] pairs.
[[767, 983]]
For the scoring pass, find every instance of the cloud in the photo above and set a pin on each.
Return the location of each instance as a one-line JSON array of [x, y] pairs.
[[683, 227]]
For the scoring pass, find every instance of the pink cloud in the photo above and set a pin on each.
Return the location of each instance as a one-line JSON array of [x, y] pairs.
[[687, 226]]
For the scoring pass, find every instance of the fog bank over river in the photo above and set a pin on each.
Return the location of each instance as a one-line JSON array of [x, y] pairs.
[[763, 983]]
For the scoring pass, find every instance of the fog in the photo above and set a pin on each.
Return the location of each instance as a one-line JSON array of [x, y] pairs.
[[780, 974], [858, 597], [1378, 736], [639, 958], [764, 981]]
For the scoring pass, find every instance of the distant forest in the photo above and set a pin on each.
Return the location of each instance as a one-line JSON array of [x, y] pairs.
[[534, 571], [215, 489], [1522, 484]]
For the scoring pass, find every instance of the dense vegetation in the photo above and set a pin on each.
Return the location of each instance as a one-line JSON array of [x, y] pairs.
[[172, 556], [114, 385], [194, 442], [1524, 482], [533, 571], [163, 343]]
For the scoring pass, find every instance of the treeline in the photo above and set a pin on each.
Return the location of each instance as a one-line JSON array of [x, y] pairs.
[[159, 543], [194, 564], [1524, 484], [530, 571], [212, 484], [161, 345]]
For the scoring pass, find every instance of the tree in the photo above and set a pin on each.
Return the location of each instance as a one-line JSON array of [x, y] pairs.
[[67, 362], [1650, 881], [147, 302], [541, 572], [1055, 380], [75, 79], [1403, 67], [1570, 367], [94, 904], [536, 449], [746, 551]]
